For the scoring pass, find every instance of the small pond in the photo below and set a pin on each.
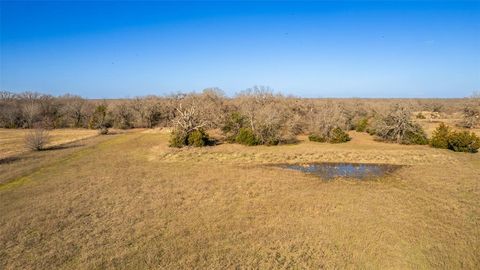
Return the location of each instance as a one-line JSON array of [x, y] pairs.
[[329, 171]]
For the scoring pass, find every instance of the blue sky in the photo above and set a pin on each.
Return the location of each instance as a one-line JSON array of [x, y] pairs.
[[312, 49]]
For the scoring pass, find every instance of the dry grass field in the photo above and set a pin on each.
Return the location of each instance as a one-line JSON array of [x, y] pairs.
[[12, 140], [453, 121], [127, 201]]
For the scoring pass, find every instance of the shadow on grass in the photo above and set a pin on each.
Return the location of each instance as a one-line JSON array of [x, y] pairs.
[[10, 159], [27, 155], [62, 146]]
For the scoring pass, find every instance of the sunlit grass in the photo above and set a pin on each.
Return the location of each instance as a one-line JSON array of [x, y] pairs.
[[129, 201]]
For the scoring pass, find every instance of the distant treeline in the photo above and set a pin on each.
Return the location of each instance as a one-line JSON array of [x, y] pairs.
[[254, 116], [31, 109]]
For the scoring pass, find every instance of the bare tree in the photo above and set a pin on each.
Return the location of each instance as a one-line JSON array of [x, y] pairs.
[[398, 127], [99, 119], [30, 108], [50, 111], [75, 108], [122, 115], [471, 111], [212, 107], [37, 139], [326, 118], [268, 116], [252, 101], [148, 111], [471, 116], [10, 113], [188, 127], [188, 119]]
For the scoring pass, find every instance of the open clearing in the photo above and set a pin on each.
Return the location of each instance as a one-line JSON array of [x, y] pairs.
[[12, 140], [129, 201]]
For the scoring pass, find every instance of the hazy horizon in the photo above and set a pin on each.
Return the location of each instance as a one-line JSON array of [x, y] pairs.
[[403, 49], [227, 95]]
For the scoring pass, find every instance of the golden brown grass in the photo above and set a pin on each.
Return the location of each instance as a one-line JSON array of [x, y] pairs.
[[452, 120], [362, 148], [129, 202], [12, 140]]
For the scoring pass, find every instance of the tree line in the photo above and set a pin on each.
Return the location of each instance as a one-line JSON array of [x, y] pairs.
[[254, 116]]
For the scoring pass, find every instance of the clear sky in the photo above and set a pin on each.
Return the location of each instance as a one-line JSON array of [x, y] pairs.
[[312, 49]]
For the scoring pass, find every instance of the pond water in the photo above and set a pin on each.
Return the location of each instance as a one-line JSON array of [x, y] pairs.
[[329, 171]]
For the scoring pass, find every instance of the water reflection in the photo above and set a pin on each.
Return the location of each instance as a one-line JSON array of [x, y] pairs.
[[348, 170]]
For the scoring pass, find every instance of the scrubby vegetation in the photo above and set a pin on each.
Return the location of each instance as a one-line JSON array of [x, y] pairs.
[[36, 139], [189, 127], [247, 137], [361, 125], [266, 115], [316, 138], [335, 135], [463, 141], [471, 112], [103, 130], [440, 137], [329, 124], [196, 138], [100, 119], [256, 116], [338, 136], [232, 126], [420, 116], [471, 116], [397, 127], [236, 130]]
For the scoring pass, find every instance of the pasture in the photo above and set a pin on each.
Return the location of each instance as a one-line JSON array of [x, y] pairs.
[[128, 201]]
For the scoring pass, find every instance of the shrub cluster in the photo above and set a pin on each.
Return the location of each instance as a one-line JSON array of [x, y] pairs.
[[420, 116], [256, 116], [195, 138], [397, 127], [335, 135], [236, 130], [416, 136], [316, 138], [232, 126], [100, 119], [103, 130], [330, 122], [361, 125], [471, 115], [440, 137], [260, 117], [338, 136], [246, 136], [463, 141]]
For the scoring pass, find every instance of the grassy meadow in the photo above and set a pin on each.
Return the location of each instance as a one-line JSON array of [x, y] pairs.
[[128, 201], [12, 140]]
